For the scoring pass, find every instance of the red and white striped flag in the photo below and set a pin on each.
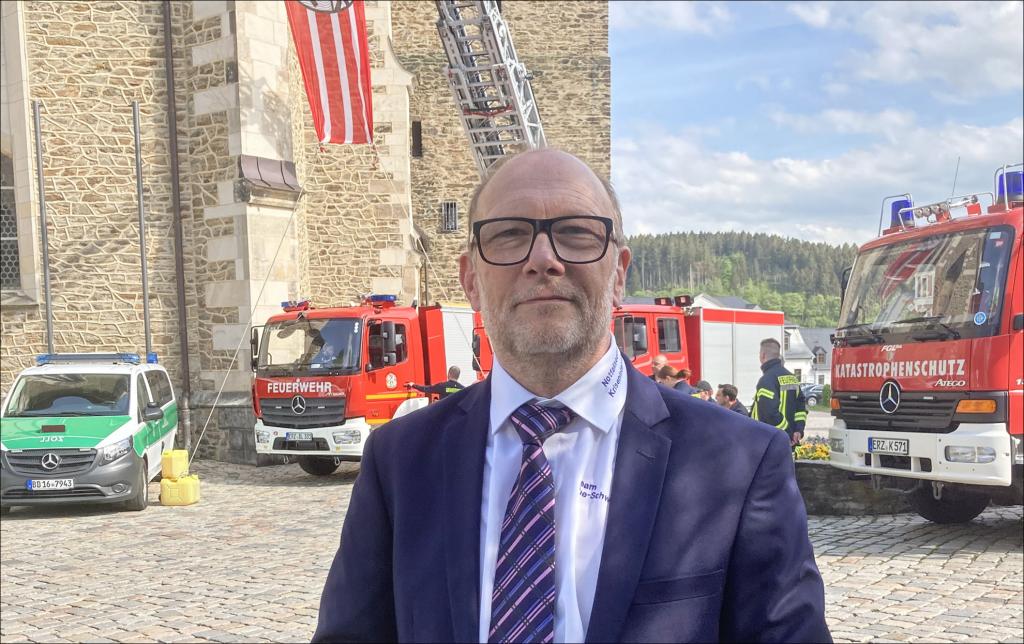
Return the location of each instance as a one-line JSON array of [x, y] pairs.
[[330, 40]]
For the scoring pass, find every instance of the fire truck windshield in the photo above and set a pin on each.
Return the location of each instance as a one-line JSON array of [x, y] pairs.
[[311, 345], [942, 287]]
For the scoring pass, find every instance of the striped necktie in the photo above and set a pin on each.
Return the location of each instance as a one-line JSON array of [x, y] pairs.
[[523, 601]]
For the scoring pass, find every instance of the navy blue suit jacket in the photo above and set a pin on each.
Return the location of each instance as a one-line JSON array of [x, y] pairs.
[[706, 537]]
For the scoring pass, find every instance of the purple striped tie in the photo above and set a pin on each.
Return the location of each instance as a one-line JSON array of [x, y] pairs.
[[523, 601]]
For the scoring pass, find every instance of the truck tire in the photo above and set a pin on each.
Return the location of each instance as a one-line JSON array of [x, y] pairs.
[[318, 465], [955, 506], [140, 501]]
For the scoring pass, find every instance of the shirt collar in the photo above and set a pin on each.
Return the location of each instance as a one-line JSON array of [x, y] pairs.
[[597, 397]]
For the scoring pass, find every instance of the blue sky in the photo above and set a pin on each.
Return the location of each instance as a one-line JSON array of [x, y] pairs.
[[797, 118]]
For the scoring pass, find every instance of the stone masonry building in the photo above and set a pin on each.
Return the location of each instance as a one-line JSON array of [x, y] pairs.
[[266, 214]]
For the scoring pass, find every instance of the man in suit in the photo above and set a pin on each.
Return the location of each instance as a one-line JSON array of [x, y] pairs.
[[567, 497]]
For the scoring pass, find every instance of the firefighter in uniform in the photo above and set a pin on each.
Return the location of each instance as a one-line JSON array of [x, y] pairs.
[[779, 401], [442, 389]]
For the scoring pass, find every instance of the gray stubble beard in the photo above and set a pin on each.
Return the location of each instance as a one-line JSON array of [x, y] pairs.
[[549, 346]]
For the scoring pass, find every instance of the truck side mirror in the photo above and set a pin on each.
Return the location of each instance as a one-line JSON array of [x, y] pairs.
[[387, 333], [844, 281], [254, 348], [1018, 322]]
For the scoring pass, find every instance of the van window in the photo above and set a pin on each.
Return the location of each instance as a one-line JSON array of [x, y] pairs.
[[668, 336], [143, 394], [160, 386]]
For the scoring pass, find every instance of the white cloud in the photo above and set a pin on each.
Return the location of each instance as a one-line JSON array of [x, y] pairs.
[[693, 17], [962, 50], [889, 123], [816, 14], [675, 183]]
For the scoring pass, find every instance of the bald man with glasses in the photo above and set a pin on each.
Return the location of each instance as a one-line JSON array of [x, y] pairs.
[[567, 497]]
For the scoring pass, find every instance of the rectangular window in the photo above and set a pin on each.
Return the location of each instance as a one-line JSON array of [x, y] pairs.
[[668, 336], [798, 373], [821, 379], [785, 340], [10, 271], [819, 357], [417, 139], [449, 216], [631, 335]]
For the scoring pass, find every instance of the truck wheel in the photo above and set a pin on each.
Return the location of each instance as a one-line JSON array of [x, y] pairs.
[[318, 465], [955, 506], [141, 499]]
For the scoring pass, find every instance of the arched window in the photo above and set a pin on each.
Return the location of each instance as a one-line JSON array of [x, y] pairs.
[[10, 273]]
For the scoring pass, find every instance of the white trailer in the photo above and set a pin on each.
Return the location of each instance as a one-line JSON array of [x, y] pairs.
[[724, 345]]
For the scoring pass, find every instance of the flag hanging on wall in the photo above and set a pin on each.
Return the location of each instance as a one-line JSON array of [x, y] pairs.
[[330, 40]]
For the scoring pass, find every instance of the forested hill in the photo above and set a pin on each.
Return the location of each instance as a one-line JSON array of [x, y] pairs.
[[795, 276]]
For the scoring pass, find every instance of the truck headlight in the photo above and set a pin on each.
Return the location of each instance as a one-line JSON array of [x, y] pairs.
[[347, 437], [969, 454], [837, 445], [262, 437], [115, 451]]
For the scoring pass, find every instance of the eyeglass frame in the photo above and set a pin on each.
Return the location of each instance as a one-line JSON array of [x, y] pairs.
[[544, 226]]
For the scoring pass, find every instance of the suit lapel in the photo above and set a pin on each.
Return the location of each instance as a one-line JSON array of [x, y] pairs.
[[465, 440], [640, 465]]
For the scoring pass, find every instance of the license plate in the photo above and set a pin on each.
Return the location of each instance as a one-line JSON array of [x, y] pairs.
[[900, 446], [298, 436], [50, 484]]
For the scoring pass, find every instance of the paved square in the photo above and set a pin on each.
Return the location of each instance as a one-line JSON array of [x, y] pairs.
[[248, 562]]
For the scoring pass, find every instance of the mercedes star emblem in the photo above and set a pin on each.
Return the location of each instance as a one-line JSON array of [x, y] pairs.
[[50, 461], [889, 396], [298, 405]]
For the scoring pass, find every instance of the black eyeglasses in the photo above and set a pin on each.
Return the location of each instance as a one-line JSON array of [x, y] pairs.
[[576, 239]]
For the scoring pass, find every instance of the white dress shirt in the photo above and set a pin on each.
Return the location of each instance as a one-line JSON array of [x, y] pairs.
[[582, 459]]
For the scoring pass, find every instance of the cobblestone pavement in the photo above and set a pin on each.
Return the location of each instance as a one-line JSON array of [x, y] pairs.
[[248, 562]]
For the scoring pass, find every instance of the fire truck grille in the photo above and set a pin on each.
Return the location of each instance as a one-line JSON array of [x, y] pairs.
[[71, 461], [926, 413], [318, 412]]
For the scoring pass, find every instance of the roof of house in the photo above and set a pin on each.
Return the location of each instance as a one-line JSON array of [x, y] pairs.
[[817, 339]]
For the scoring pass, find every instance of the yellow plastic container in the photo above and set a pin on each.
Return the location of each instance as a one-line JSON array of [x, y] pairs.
[[183, 491], [174, 463]]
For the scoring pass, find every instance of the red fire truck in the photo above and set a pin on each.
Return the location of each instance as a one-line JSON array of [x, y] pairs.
[[927, 367], [324, 378]]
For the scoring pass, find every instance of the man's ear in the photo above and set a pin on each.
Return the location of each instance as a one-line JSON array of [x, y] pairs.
[[621, 268], [467, 277]]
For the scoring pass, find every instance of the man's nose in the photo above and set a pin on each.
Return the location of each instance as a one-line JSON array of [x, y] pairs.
[[542, 258]]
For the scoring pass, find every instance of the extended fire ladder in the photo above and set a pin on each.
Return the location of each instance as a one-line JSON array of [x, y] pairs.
[[490, 86]]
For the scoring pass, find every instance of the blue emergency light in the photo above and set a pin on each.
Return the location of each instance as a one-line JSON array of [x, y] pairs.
[[1015, 182], [291, 306], [151, 357], [383, 298], [907, 216], [63, 358]]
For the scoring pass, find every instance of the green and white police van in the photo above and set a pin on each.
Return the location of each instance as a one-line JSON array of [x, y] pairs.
[[85, 428]]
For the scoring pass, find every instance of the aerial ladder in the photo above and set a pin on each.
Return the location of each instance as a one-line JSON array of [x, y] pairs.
[[491, 87]]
